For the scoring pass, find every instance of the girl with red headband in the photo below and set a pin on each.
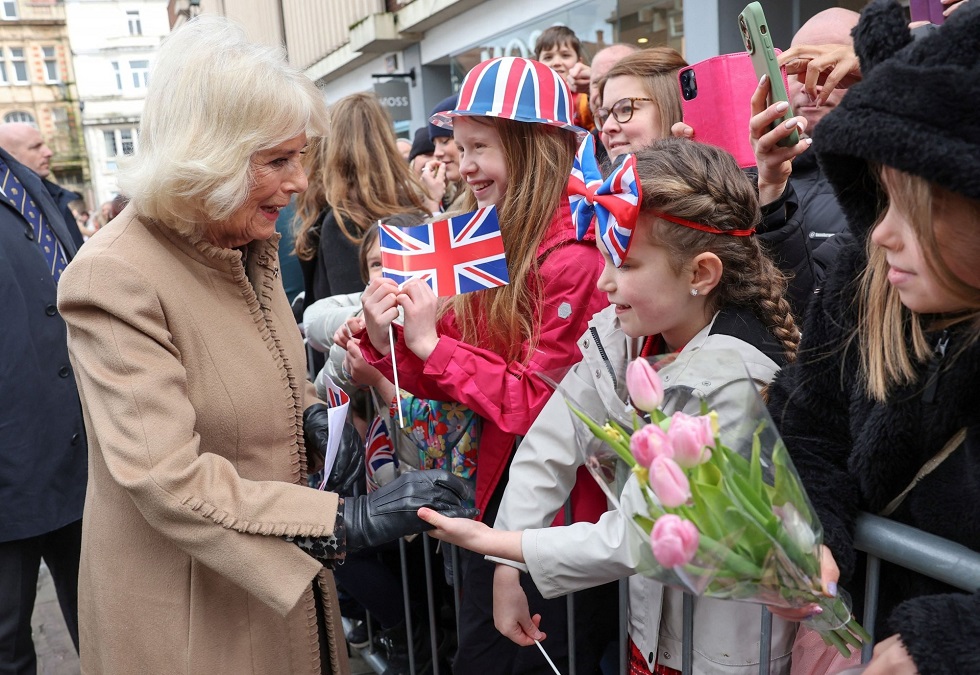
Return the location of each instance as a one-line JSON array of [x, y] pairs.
[[512, 125], [683, 272]]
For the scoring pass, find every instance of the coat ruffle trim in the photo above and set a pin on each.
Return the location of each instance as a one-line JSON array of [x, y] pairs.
[[265, 256], [245, 526]]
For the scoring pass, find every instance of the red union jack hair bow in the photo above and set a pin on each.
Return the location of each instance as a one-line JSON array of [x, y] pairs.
[[615, 201]]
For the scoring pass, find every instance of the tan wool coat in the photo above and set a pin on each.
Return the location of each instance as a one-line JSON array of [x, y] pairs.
[[191, 374]]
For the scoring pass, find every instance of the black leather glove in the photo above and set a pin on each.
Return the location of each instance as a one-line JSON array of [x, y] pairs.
[[391, 511], [348, 469]]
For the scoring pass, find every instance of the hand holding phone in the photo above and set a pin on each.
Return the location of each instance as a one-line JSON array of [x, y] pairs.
[[767, 131], [758, 43]]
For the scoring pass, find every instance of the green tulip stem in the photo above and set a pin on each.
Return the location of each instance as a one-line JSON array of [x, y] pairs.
[[616, 444]]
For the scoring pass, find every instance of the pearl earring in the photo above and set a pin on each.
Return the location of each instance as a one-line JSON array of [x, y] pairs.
[[694, 291]]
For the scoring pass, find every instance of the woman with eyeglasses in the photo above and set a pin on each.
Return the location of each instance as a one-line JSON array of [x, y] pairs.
[[640, 100]]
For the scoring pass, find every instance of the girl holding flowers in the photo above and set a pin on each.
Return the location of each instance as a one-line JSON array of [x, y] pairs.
[[689, 276]]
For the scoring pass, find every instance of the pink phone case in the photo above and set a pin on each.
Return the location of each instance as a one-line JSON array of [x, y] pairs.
[[719, 106], [927, 10]]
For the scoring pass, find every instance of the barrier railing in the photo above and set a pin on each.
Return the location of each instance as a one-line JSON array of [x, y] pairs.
[[880, 538], [941, 559]]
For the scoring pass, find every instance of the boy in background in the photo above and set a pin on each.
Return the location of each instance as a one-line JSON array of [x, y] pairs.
[[560, 49]]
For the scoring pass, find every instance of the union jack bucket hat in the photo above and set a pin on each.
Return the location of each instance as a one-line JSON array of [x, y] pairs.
[[514, 88]]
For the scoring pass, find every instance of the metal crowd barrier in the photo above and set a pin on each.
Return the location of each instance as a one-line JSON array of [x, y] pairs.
[[880, 538], [941, 559]]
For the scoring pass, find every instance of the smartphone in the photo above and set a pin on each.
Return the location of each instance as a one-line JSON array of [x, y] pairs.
[[758, 43], [716, 96], [927, 10]]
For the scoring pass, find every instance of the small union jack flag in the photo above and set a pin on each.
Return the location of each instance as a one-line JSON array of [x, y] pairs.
[[381, 461], [337, 403], [459, 255], [615, 202]]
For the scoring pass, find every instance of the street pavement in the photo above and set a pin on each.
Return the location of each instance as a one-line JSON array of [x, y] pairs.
[[55, 651]]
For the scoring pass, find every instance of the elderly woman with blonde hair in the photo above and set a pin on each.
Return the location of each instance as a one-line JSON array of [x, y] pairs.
[[204, 551]]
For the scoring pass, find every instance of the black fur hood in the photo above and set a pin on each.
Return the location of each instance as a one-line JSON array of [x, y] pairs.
[[917, 109]]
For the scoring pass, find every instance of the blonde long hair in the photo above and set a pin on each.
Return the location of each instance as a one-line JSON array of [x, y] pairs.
[[703, 184], [538, 158], [893, 337], [362, 175]]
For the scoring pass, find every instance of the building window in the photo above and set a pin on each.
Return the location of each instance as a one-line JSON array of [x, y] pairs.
[[133, 19], [119, 142], [19, 64], [110, 143], [115, 71], [50, 64], [8, 9], [3, 67], [20, 116], [140, 71], [126, 136]]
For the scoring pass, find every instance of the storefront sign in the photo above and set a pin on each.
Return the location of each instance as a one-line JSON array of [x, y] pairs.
[[394, 98]]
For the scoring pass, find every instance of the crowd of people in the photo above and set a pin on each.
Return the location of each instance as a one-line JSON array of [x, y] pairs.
[[223, 520]]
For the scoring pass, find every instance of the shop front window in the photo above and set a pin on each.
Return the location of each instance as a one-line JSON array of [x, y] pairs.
[[652, 24], [597, 23], [594, 23]]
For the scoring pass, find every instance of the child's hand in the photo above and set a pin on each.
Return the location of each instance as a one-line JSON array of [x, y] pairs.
[[358, 370], [380, 309], [434, 179], [511, 614], [421, 307], [474, 536], [774, 161], [463, 532], [578, 78], [829, 574], [891, 658], [354, 324]]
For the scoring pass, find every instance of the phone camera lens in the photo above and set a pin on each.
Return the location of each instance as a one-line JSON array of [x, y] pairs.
[[689, 86]]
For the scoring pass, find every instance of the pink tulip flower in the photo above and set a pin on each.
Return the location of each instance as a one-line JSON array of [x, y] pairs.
[[644, 385], [649, 442], [674, 540], [669, 482], [690, 438]]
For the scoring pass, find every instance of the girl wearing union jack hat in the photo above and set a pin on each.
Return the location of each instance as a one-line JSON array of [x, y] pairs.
[[513, 128]]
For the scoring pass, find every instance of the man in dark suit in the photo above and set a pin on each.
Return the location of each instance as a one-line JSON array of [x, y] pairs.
[[43, 458]]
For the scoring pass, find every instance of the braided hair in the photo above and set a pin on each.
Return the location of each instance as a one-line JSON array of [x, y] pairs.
[[703, 184]]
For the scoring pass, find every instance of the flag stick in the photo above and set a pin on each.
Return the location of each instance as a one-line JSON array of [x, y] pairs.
[[547, 658], [394, 369]]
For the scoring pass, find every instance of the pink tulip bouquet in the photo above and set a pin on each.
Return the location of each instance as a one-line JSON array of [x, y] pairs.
[[723, 508]]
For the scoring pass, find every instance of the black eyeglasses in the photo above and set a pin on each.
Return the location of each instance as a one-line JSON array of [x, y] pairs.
[[622, 110]]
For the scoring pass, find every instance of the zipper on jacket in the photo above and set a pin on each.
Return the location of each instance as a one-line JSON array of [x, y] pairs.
[[602, 353], [932, 373]]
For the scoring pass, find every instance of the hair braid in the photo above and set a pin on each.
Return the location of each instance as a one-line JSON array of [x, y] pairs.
[[766, 285], [700, 183]]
